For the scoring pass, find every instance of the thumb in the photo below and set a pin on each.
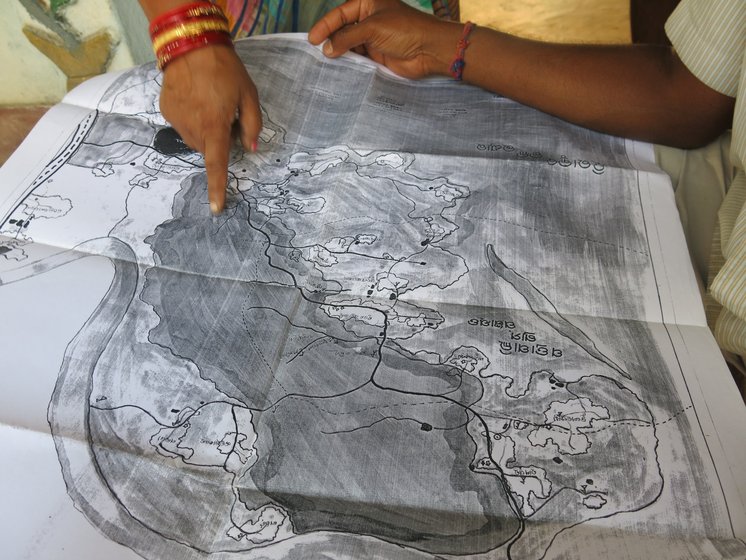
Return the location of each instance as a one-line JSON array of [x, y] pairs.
[[348, 13], [350, 37]]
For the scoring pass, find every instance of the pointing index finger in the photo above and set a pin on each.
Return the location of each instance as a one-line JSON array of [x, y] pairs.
[[217, 153]]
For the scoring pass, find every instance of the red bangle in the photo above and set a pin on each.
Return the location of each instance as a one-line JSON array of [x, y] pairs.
[[457, 66], [181, 21], [182, 13], [188, 27], [182, 46], [191, 28]]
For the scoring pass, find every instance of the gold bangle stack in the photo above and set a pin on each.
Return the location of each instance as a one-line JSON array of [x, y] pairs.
[[187, 28]]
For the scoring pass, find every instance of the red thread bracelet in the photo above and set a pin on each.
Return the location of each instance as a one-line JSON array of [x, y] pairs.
[[457, 66]]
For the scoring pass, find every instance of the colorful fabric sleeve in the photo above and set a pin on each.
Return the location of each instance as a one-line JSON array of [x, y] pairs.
[[259, 17]]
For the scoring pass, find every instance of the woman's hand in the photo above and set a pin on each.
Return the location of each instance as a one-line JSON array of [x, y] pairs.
[[204, 93]]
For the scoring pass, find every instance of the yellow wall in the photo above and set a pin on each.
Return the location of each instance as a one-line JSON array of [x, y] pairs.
[[564, 21]]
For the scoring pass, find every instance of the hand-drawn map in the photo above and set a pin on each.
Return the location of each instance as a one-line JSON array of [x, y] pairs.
[[429, 324]]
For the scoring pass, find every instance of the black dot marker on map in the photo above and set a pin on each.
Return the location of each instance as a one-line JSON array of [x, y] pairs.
[[167, 141]]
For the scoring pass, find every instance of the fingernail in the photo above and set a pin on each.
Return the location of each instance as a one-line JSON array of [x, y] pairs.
[[328, 49], [253, 146], [214, 208]]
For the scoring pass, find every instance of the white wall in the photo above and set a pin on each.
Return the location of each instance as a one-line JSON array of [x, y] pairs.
[[29, 77]]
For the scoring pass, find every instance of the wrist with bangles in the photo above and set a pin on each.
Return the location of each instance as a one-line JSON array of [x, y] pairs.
[[187, 28]]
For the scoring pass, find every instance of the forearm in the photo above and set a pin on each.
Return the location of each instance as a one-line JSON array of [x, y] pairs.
[[641, 92]]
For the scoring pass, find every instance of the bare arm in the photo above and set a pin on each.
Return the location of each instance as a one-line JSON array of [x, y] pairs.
[[641, 91], [202, 93]]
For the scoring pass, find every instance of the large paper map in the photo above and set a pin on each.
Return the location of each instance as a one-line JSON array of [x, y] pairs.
[[430, 323]]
